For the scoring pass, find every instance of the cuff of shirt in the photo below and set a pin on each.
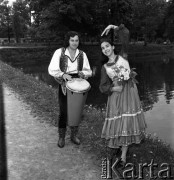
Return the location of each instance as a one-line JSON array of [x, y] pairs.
[[60, 75], [87, 73]]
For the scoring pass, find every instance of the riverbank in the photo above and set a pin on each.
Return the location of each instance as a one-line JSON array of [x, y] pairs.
[[41, 54], [43, 102]]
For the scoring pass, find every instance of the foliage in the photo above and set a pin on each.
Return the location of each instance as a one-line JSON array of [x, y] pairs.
[[62, 16], [21, 18], [5, 20], [86, 16], [169, 23], [53, 18], [14, 20], [148, 16], [159, 40]]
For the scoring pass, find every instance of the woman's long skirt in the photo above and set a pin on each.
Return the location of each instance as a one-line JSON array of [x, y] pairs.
[[125, 122]]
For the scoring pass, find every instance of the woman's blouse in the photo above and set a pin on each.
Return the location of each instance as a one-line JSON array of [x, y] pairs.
[[108, 73]]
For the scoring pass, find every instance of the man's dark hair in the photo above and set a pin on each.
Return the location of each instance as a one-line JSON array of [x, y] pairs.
[[68, 35]]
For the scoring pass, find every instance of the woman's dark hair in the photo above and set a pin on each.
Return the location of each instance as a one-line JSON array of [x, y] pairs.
[[68, 35], [106, 39], [105, 58]]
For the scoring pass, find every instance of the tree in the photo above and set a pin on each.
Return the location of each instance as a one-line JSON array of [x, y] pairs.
[[147, 17], [21, 18], [5, 20], [170, 20], [85, 16]]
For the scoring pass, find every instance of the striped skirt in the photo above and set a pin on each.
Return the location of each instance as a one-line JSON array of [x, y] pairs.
[[125, 122]]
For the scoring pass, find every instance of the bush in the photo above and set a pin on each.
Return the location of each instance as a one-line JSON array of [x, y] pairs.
[[159, 40]]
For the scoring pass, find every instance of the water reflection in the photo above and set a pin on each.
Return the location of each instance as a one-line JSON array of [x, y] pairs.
[[160, 120], [155, 75]]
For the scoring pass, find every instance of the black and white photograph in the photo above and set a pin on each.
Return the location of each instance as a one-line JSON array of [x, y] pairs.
[[86, 89]]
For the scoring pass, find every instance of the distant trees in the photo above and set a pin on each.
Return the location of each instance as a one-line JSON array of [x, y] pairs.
[[169, 21], [20, 18], [53, 18], [148, 18], [5, 21], [14, 20]]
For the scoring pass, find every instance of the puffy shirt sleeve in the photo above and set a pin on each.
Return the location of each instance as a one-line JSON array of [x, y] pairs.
[[105, 82], [54, 68], [86, 67], [123, 62]]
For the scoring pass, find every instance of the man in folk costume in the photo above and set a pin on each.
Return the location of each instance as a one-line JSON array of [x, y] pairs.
[[68, 62]]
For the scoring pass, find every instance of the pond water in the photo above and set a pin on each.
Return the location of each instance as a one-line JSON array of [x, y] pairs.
[[156, 90]]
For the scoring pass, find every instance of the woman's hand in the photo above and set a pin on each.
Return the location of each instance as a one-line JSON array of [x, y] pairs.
[[108, 28], [117, 88], [67, 77]]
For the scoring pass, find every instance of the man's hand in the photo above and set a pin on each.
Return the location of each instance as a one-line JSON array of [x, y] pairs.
[[67, 77]]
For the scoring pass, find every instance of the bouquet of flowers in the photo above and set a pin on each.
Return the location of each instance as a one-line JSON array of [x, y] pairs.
[[122, 74]]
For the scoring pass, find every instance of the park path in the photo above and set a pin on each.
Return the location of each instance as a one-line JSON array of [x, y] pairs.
[[32, 150]]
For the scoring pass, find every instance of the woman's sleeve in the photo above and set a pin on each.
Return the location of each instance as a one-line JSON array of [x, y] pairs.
[[105, 83], [127, 66], [124, 63]]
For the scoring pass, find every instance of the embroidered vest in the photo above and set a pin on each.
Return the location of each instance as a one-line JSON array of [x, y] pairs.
[[64, 61]]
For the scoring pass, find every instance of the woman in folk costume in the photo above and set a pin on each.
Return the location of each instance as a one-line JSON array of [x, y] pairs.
[[68, 62], [124, 123]]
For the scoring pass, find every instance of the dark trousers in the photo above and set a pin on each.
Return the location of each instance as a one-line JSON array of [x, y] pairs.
[[62, 122]]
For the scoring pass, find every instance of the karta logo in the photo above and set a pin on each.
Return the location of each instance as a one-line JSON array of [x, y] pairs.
[[140, 171], [108, 168]]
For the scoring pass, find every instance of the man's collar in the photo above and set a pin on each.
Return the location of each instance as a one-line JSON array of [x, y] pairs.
[[68, 54]]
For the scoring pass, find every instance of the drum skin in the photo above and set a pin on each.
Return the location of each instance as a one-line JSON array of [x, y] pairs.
[[76, 99], [78, 85]]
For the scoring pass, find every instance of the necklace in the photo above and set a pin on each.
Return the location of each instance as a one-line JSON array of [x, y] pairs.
[[110, 63]]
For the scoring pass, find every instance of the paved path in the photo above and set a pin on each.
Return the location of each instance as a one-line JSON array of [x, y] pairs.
[[32, 150]]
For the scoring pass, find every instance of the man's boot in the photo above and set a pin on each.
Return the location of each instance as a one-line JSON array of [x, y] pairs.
[[61, 141], [74, 138]]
